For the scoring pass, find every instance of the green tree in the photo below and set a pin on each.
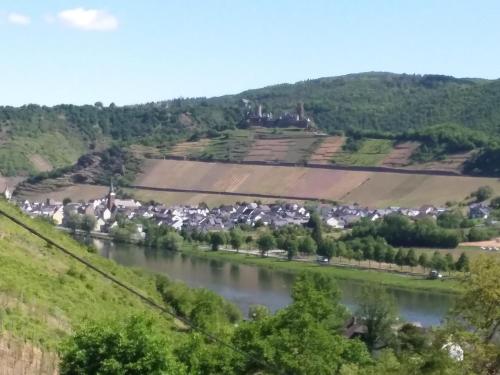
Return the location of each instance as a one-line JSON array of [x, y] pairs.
[[450, 263], [236, 238], [291, 247], [316, 225], [113, 347], [438, 262], [258, 312], [73, 221], [411, 259], [462, 263], [400, 258], [369, 253], [495, 203], [88, 223], [379, 253], [170, 242], [450, 219], [479, 307], [265, 242], [307, 245], [217, 239], [483, 193], [378, 311], [327, 248], [423, 260], [390, 255]]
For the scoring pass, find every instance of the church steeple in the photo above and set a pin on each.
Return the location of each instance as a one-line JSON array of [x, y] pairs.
[[111, 196], [6, 193]]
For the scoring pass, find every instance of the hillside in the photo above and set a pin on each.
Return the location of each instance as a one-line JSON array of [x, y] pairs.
[[44, 294], [36, 139]]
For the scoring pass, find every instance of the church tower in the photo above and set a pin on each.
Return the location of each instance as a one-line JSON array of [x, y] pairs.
[[6, 193], [111, 197]]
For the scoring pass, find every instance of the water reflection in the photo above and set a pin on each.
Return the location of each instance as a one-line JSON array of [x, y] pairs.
[[249, 285]]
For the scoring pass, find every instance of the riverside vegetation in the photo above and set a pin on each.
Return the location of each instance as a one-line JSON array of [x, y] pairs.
[[57, 304]]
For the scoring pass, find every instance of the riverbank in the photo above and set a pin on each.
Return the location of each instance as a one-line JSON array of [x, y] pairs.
[[340, 272]]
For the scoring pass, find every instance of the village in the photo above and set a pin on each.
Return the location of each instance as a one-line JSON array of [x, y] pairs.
[[106, 212]]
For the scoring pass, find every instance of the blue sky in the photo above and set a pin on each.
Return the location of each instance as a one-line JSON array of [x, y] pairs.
[[138, 51]]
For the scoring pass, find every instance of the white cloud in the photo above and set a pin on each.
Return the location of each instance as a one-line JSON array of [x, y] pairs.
[[88, 19], [18, 19]]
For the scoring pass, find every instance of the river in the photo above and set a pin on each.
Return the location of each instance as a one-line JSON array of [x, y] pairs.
[[246, 285]]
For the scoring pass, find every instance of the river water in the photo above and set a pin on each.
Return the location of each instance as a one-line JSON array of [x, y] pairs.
[[246, 285]]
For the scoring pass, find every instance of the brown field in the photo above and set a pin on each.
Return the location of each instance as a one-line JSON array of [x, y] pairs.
[[326, 150], [372, 189], [288, 149], [212, 200], [75, 192], [248, 179], [384, 189], [189, 148], [400, 155], [450, 163], [10, 182], [366, 188]]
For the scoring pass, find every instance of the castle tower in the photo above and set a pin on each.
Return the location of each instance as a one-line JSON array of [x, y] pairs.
[[111, 197], [259, 110]]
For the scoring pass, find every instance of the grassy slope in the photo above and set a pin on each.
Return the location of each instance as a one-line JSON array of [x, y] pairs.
[[385, 278], [56, 148], [371, 153], [43, 293]]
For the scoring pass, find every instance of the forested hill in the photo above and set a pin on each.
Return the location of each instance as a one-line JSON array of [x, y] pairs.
[[390, 102], [36, 138]]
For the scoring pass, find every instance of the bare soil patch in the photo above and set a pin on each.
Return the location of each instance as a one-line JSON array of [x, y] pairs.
[[40, 164], [400, 155], [491, 243], [326, 150], [286, 149]]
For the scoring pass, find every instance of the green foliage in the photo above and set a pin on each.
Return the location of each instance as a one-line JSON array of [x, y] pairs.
[[217, 239], [131, 346], [439, 140], [307, 245], [378, 311], [236, 238], [203, 307], [88, 223], [451, 219], [302, 338], [462, 263], [367, 152], [399, 230], [316, 225], [482, 194], [480, 234], [265, 242], [438, 262], [485, 163]]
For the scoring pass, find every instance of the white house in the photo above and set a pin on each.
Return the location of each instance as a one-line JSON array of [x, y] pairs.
[[335, 223], [106, 214], [58, 215]]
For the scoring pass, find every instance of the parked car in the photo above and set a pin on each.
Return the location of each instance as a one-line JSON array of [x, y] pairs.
[[434, 275]]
